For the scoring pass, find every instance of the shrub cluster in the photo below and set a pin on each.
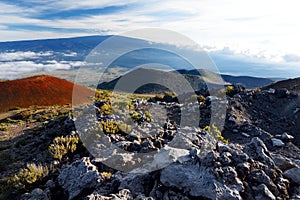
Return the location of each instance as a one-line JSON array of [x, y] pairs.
[[213, 130], [63, 145], [111, 127], [25, 178]]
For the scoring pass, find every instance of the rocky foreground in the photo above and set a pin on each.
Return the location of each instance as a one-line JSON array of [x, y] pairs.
[[258, 158]]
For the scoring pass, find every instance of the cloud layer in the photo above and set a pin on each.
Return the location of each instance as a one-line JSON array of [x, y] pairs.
[[266, 31]]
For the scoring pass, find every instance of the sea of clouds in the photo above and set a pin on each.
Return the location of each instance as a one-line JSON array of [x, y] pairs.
[[14, 64]]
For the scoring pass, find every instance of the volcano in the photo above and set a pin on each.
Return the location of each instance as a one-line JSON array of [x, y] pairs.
[[41, 91]]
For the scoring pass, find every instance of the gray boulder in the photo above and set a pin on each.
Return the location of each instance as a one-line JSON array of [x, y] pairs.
[[257, 150], [293, 174], [282, 93], [36, 194], [277, 142], [79, 176], [136, 183], [264, 193], [283, 162], [196, 182]]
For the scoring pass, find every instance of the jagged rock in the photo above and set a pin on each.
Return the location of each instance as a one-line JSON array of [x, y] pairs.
[[50, 184], [287, 137], [294, 94], [79, 176], [295, 194], [196, 182], [277, 142], [225, 158], [243, 169], [136, 183], [36, 194], [121, 195], [283, 184], [282, 93], [257, 150], [293, 174], [143, 197], [209, 159], [264, 193], [260, 177], [283, 162]]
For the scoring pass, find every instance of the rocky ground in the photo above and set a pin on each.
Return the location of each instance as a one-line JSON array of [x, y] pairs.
[[158, 151]]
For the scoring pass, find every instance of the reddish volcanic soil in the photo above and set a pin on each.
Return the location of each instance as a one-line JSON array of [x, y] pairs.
[[42, 91]]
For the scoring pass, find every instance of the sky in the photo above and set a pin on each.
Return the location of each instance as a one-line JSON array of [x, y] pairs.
[[262, 31]]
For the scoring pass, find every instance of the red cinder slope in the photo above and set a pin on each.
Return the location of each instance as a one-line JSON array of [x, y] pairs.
[[40, 90]]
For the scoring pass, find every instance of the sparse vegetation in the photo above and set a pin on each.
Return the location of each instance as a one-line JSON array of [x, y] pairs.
[[106, 109], [112, 127], [25, 178], [106, 175], [63, 145], [213, 130]]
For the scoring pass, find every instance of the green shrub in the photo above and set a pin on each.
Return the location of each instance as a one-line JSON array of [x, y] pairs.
[[4, 127], [101, 95], [229, 90], [26, 177], [201, 98], [106, 175], [135, 116], [105, 109], [148, 116], [63, 145], [213, 130], [111, 127]]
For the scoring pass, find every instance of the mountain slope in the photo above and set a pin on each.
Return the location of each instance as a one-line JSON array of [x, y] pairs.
[[198, 79], [290, 84], [39, 90]]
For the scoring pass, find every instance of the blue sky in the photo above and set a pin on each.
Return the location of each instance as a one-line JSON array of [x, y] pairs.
[[265, 32]]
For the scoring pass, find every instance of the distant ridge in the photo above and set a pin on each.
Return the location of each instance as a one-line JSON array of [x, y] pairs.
[[40, 90], [290, 84], [198, 79]]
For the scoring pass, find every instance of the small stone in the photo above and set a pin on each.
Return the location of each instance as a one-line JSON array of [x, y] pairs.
[[245, 135], [287, 137], [277, 142], [231, 119], [50, 184], [271, 91]]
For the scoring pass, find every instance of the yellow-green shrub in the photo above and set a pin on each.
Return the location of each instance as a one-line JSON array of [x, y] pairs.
[[216, 133], [28, 176], [63, 145], [135, 116], [111, 127], [201, 98], [106, 175], [105, 109]]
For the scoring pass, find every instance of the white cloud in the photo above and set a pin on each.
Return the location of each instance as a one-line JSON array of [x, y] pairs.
[[71, 54], [20, 55], [12, 70], [267, 31]]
